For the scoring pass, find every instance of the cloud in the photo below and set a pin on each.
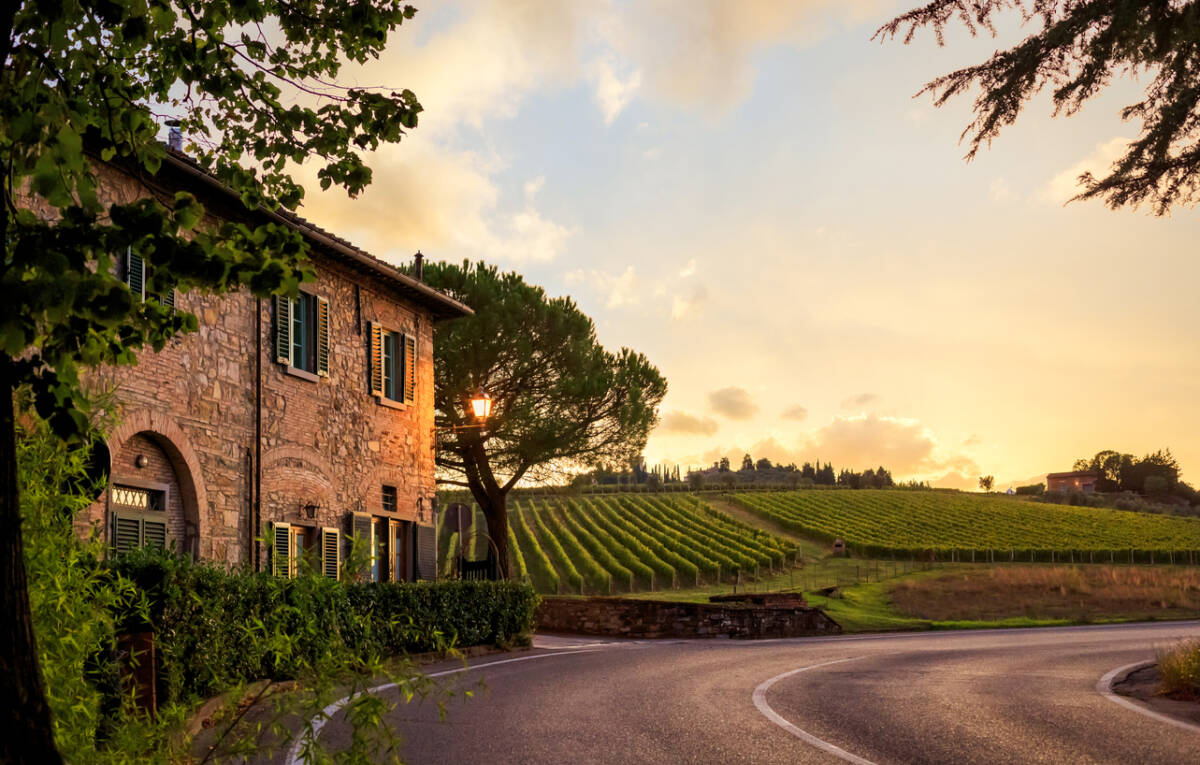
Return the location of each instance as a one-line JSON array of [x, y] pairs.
[[901, 445], [688, 270], [611, 92], [1065, 185], [619, 290], [682, 305], [677, 422], [795, 413], [732, 402], [973, 440], [862, 399], [1000, 191], [701, 53]]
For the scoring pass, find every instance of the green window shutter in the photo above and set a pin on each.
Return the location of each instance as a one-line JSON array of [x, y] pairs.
[[323, 337], [126, 534], [376, 359], [135, 274], [410, 369], [154, 533], [281, 549], [331, 552], [283, 329]]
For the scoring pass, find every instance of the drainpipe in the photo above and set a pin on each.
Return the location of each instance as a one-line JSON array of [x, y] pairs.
[[257, 515]]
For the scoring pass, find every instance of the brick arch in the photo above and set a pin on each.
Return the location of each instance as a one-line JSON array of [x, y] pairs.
[[312, 482], [168, 436]]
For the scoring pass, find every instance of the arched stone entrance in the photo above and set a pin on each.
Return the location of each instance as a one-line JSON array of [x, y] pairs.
[[155, 487]]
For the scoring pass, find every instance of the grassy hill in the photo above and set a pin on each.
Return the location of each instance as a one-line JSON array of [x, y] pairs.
[[966, 527], [627, 543]]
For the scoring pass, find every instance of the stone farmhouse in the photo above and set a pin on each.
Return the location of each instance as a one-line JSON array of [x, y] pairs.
[[282, 428], [1075, 480]]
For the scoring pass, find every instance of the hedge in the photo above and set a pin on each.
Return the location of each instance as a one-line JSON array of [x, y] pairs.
[[215, 628]]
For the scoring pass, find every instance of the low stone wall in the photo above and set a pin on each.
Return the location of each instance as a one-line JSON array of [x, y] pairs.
[[618, 617]]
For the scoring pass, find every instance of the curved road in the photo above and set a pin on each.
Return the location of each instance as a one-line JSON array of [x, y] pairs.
[[1010, 696]]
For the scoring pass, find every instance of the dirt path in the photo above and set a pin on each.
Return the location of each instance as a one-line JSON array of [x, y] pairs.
[[745, 516]]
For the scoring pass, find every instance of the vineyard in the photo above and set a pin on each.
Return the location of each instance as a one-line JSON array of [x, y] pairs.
[[962, 527], [620, 544]]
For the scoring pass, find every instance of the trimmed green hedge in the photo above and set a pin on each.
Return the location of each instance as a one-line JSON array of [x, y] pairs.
[[215, 628]]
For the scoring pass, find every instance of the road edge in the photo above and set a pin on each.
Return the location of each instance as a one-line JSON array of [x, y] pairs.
[[1104, 688], [760, 702]]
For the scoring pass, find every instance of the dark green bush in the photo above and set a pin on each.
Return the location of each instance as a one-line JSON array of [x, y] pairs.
[[215, 628]]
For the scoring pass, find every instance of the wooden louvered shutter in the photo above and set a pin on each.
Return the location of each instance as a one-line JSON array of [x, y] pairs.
[[168, 298], [283, 329], [410, 369], [135, 273], [331, 552], [281, 549], [154, 533], [126, 534], [426, 552], [322, 337], [376, 359]]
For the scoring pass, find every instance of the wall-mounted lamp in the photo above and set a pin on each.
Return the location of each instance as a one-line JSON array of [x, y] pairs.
[[139, 461], [310, 510], [481, 404]]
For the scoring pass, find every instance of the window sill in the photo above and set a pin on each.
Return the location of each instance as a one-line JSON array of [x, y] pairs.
[[302, 374], [391, 404]]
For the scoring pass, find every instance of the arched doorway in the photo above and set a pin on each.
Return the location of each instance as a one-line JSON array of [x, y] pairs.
[[151, 498]]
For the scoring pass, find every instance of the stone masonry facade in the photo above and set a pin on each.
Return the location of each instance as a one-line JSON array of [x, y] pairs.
[[186, 416]]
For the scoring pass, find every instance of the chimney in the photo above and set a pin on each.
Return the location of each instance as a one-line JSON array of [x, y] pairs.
[[174, 135], [418, 271]]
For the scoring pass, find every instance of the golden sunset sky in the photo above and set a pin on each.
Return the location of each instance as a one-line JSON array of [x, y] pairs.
[[747, 193]]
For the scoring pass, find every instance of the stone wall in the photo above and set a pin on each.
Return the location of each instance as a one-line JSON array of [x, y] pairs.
[[326, 441], [617, 617]]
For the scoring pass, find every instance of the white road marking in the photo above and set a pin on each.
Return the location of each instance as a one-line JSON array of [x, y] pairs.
[[1104, 687], [760, 701], [327, 714]]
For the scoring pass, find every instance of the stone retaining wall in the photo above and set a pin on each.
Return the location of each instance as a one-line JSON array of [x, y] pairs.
[[617, 617]]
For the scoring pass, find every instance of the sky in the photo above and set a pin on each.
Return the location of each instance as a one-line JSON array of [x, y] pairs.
[[749, 194]]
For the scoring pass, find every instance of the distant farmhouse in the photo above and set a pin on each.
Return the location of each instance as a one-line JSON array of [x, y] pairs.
[[1076, 480], [282, 427]]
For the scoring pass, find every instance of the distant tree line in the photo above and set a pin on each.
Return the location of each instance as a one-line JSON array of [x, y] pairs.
[[1125, 482], [1155, 474]]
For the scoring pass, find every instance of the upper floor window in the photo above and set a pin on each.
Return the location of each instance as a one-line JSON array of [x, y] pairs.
[[135, 273], [302, 333], [393, 365]]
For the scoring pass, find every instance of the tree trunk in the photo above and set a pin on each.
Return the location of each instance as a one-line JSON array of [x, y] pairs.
[[26, 734], [495, 510]]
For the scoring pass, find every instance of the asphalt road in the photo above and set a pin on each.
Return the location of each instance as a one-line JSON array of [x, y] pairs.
[[996, 696]]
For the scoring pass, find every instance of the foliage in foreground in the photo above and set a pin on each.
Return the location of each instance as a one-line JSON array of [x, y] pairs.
[[217, 630]]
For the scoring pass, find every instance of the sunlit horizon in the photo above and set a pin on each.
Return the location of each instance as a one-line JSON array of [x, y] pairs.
[[750, 196]]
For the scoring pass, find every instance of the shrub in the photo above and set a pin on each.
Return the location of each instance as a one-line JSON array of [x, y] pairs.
[[1179, 667], [215, 628]]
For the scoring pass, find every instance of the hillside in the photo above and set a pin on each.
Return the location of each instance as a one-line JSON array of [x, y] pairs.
[[968, 526]]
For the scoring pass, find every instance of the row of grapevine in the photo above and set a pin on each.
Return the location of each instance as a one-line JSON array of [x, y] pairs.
[[610, 544], [541, 571], [963, 527], [624, 549]]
